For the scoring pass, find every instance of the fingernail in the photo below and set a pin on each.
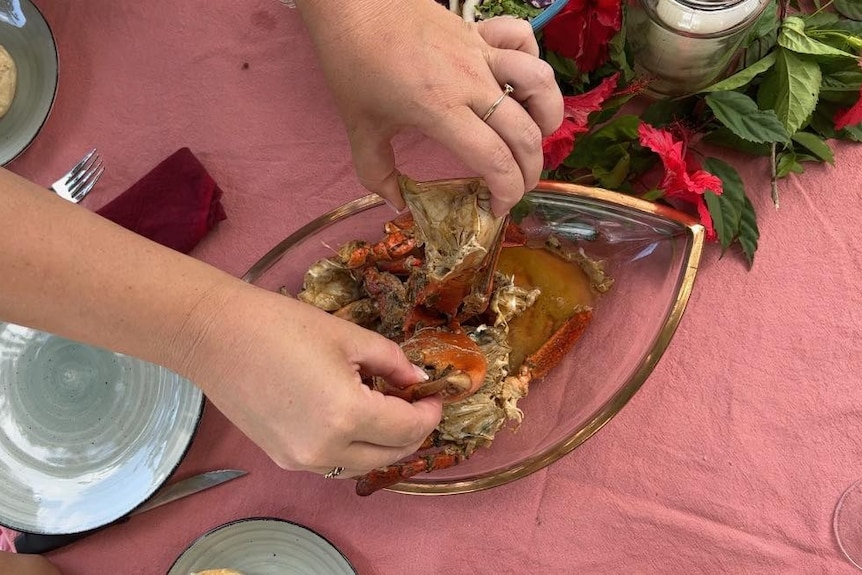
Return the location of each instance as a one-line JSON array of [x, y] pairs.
[[395, 208], [420, 373]]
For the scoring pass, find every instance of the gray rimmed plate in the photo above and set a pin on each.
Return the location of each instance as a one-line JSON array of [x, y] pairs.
[[33, 48], [86, 435], [263, 546]]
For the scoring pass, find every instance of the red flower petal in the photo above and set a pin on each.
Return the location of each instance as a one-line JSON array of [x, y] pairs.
[[849, 116], [582, 30], [576, 112], [684, 180], [558, 145], [662, 143], [581, 106]]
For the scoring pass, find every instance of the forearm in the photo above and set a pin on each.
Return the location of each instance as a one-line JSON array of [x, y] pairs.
[[339, 22], [71, 272]]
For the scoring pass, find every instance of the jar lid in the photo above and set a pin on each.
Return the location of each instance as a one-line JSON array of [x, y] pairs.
[[706, 16]]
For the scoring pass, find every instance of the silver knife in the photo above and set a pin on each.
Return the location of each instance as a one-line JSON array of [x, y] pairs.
[[37, 543]]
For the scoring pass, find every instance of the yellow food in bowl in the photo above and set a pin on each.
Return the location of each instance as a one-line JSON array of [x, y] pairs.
[[8, 80]]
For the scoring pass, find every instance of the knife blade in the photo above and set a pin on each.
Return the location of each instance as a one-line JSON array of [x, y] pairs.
[[36, 543]]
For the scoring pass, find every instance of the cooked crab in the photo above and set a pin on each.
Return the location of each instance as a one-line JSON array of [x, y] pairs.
[[482, 326]]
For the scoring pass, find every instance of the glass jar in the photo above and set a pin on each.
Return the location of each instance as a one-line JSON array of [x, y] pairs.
[[685, 45]]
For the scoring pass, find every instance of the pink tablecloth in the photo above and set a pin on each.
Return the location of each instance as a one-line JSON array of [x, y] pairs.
[[729, 460]]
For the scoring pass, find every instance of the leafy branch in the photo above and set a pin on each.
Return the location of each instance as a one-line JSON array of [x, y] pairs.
[[796, 85]]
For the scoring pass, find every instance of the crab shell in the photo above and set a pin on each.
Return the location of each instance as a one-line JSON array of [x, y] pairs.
[[454, 222], [454, 363]]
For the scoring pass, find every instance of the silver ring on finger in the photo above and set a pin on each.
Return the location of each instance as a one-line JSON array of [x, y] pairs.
[[507, 89], [334, 472]]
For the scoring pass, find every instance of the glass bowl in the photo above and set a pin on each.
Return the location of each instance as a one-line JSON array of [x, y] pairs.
[[652, 253]]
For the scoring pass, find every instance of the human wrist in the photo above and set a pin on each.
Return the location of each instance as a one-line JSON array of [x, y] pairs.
[[197, 334]]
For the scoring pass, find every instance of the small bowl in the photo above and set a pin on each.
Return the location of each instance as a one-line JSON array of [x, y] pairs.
[[651, 252], [86, 435], [262, 545], [33, 48]]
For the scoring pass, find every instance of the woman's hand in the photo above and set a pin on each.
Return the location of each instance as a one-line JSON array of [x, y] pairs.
[[288, 375], [15, 564], [394, 65]]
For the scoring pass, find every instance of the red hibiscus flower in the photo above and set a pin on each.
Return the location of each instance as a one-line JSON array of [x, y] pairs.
[[684, 179], [576, 112], [582, 30]]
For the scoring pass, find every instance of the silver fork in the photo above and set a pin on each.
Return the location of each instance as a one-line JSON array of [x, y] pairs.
[[77, 182]]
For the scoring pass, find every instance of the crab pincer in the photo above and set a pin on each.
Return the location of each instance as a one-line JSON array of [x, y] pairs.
[[455, 365]]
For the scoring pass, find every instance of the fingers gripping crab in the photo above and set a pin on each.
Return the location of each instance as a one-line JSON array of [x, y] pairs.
[[434, 284]]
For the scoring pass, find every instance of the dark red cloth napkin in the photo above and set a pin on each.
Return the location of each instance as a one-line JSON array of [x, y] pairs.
[[176, 204]]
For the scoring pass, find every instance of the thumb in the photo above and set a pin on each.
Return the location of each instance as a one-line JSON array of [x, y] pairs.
[[374, 162]]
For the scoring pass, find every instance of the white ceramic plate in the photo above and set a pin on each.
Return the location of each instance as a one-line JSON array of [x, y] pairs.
[[263, 546], [35, 53], [86, 435]]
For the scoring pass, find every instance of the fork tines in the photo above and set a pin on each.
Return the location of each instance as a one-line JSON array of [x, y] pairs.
[[83, 176]]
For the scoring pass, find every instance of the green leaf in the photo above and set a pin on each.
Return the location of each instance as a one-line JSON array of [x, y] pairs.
[[744, 76], [725, 138], [663, 112], [617, 54], [595, 149], [850, 81], [791, 88], [748, 232], [822, 120], [612, 179], [653, 195], [816, 145], [853, 133], [802, 157], [787, 163], [740, 114], [819, 21], [759, 48], [564, 67], [721, 215], [850, 8], [844, 77], [792, 37], [767, 23], [732, 213], [763, 34], [851, 26]]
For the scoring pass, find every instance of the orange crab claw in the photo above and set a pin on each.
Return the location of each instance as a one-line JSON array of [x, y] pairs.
[[455, 364]]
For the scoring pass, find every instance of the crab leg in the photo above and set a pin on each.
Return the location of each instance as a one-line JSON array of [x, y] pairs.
[[537, 365], [396, 473]]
